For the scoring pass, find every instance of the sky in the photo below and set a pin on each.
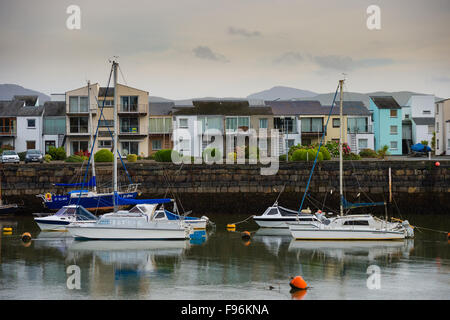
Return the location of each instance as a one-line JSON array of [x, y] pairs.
[[180, 49]]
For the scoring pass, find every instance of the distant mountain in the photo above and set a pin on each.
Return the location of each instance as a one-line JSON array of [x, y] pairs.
[[282, 93], [8, 91]]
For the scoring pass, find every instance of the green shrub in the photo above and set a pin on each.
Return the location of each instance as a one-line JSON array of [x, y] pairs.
[[103, 155], [326, 154], [368, 153], [298, 155], [132, 157], [383, 152], [22, 155], [333, 148], [311, 154], [164, 155], [47, 158], [282, 157], [74, 158], [211, 154], [57, 153], [351, 156]]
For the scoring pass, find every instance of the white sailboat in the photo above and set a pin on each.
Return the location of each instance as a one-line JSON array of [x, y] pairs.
[[139, 223], [349, 227]]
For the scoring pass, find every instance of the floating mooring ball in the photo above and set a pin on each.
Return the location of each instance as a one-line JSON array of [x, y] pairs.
[[26, 237], [298, 283], [437, 164]]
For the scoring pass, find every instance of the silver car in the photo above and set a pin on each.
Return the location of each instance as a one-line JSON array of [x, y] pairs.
[[10, 156]]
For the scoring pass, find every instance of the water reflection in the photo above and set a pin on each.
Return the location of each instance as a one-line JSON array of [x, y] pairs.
[[273, 238]]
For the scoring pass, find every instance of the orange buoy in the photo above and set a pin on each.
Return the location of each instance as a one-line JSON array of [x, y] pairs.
[[26, 237], [298, 294], [437, 164], [298, 283], [245, 235]]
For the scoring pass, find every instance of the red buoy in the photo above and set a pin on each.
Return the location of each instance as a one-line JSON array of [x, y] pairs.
[[437, 164], [298, 283]]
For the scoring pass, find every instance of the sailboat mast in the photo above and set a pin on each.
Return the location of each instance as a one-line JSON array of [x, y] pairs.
[[116, 137], [91, 129], [341, 126]]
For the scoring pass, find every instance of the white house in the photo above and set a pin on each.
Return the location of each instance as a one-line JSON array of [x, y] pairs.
[[420, 109], [29, 128]]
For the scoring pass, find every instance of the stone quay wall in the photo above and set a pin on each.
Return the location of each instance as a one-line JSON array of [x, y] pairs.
[[417, 185]]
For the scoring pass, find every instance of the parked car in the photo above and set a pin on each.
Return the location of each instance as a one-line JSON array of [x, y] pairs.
[[10, 156], [33, 155]]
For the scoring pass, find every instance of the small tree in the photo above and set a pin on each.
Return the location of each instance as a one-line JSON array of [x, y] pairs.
[[383, 152]]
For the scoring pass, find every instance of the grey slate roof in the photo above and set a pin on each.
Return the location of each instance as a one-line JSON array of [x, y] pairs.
[[294, 107], [29, 111], [226, 108], [54, 108], [423, 121], [385, 102], [160, 108], [10, 108]]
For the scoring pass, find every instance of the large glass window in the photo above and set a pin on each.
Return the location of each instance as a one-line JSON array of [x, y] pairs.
[[286, 125], [129, 125], [357, 125], [77, 146], [231, 123], [312, 125], [54, 125], [130, 147], [79, 125], [78, 104], [160, 125], [212, 123], [362, 144], [129, 103], [263, 123], [235, 123], [156, 145], [48, 144]]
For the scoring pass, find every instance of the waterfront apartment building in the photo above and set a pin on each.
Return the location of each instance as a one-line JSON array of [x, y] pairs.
[[418, 120], [442, 127], [387, 123], [197, 126], [132, 116], [54, 124]]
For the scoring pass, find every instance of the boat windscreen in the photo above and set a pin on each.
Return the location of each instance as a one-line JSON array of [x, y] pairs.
[[83, 214], [65, 211]]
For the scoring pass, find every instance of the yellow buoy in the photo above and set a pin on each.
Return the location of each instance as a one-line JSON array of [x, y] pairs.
[[231, 226], [7, 233], [7, 229]]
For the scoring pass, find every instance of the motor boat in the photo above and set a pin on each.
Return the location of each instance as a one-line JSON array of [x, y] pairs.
[[65, 216], [277, 217]]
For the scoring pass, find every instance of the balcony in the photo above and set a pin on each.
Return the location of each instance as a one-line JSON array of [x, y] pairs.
[[78, 131], [132, 109], [130, 131], [81, 110], [360, 129], [8, 131]]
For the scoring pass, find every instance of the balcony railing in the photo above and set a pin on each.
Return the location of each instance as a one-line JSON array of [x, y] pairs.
[[78, 130], [363, 129], [133, 130], [82, 110], [8, 131], [138, 109]]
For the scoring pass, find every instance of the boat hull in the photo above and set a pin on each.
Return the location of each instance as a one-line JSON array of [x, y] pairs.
[[55, 225], [299, 233], [101, 202], [279, 222], [106, 233]]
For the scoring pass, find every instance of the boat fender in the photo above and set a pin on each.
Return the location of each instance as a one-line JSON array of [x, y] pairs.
[[26, 237], [245, 235], [298, 283], [231, 226], [205, 218]]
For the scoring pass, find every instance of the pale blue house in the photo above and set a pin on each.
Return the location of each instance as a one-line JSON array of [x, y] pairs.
[[387, 123]]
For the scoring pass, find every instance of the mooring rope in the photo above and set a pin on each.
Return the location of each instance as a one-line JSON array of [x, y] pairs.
[[243, 220]]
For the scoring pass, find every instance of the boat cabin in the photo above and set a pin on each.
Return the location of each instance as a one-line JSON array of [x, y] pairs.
[[74, 211]]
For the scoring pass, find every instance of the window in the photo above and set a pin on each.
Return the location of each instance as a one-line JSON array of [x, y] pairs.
[[106, 103], [48, 144], [430, 129], [78, 104], [160, 125], [31, 144], [336, 122], [286, 125], [183, 123], [231, 124], [31, 123], [311, 125], [156, 145], [263, 123], [105, 143], [129, 103], [448, 143], [129, 125], [289, 143], [437, 108], [55, 125], [79, 146], [393, 113], [130, 147], [357, 125], [79, 125], [393, 129], [437, 127], [406, 116], [243, 123], [362, 144], [356, 223], [426, 112], [235, 123], [394, 145]]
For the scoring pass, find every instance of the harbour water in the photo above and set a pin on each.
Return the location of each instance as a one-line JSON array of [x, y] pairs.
[[221, 265]]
